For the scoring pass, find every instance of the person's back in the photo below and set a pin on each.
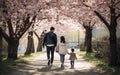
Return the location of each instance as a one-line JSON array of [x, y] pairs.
[[72, 58], [50, 38], [50, 41], [63, 48]]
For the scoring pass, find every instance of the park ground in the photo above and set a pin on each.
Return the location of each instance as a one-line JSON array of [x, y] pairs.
[[38, 66]]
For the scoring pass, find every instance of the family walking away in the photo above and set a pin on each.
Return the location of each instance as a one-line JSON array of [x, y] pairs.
[[50, 41], [62, 50]]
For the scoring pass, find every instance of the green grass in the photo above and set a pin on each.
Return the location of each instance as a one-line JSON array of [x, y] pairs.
[[99, 63], [31, 56], [8, 65]]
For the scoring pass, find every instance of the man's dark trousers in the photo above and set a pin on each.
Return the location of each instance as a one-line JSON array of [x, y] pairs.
[[50, 51]]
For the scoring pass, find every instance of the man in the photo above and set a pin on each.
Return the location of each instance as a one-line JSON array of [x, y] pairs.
[[50, 41]]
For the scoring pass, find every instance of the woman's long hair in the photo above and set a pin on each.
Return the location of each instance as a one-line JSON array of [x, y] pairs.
[[62, 39]]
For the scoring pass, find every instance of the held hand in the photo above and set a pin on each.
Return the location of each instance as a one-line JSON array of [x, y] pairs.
[[68, 53]]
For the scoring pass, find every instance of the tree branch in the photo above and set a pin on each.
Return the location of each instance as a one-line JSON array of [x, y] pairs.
[[36, 35], [11, 33], [117, 2], [27, 24], [4, 34], [117, 16], [102, 19], [87, 5], [17, 27], [93, 24]]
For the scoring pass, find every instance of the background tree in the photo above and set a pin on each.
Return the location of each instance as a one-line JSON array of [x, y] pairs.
[[88, 36], [88, 20], [40, 40], [30, 44], [108, 12], [77, 11], [19, 16]]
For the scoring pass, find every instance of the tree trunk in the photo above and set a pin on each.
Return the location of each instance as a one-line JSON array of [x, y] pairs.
[[113, 56], [89, 39], [30, 44], [0, 47], [39, 47], [113, 48], [40, 40], [85, 42], [12, 48], [113, 61]]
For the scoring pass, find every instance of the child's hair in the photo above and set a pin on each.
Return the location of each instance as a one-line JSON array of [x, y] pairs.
[[72, 50], [62, 39]]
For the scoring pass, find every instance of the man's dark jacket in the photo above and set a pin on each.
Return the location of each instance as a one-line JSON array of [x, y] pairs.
[[50, 38]]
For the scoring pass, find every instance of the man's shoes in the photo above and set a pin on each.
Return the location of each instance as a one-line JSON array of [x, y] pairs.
[[72, 67], [62, 66], [49, 62]]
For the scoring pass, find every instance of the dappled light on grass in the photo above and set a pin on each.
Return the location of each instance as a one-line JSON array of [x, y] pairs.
[[29, 56], [8, 65], [100, 63]]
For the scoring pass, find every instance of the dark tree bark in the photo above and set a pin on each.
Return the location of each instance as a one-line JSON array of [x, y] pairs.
[[40, 40], [85, 42], [88, 36], [12, 48], [30, 45], [113, 48], [88, 40], [0, 47], [39, 47], [112, 39]]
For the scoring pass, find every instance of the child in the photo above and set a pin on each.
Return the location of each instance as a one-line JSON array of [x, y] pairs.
[[72, 58], [62, 50]]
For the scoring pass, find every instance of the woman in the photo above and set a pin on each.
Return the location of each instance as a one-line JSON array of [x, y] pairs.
[[62, 50]]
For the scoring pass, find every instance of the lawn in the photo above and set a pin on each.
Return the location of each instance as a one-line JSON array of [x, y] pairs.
[[8, 65], [100, 63]]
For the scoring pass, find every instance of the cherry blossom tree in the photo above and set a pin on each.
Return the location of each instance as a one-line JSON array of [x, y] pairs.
[[40, 40], [19, 15], [30, 45], [77, 11], [88, 35], [108, 11]]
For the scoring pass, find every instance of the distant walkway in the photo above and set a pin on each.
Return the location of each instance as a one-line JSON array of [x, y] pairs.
[[38, 66]]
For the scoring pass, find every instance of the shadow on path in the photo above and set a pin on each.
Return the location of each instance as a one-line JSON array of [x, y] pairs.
[[38, 66]]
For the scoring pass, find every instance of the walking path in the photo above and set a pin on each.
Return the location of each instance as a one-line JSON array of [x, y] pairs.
[[38, 66]]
